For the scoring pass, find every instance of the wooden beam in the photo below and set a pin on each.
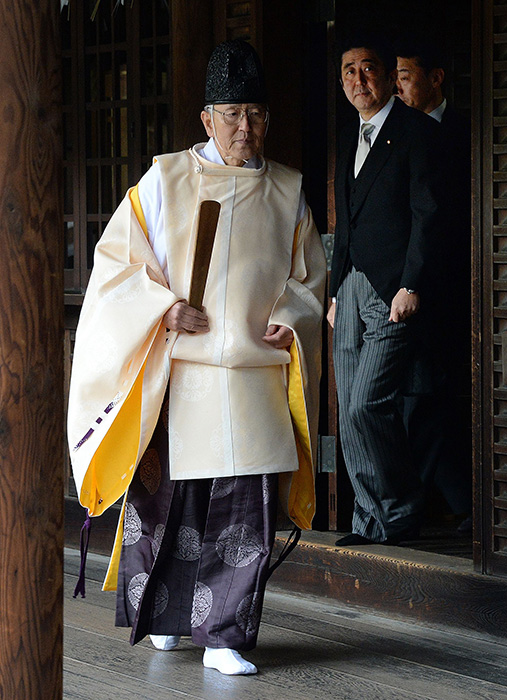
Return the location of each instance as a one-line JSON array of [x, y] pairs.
[[31, 353]]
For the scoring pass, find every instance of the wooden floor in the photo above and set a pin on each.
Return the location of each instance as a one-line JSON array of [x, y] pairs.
[[308, 649]]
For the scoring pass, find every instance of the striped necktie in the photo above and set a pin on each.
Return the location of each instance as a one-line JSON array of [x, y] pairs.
[[363, 147]]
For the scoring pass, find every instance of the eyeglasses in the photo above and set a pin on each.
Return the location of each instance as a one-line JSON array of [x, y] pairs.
[[232, 117]]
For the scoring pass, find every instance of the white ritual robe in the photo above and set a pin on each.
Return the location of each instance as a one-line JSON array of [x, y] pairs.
[[222, 421], [266, 268]]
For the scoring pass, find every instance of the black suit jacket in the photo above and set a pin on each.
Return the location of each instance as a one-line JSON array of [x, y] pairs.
[[454, 328], [388, 218]]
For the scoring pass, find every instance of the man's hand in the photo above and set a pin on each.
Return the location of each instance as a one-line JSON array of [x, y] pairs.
[[330, 314], [404, 305], [279, 337], [182, 317]]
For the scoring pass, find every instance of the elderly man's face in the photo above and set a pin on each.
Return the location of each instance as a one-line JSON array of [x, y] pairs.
[[415, 87], [236, 143], [365, 82]]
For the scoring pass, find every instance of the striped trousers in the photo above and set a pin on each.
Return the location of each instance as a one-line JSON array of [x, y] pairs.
[[370, 360]]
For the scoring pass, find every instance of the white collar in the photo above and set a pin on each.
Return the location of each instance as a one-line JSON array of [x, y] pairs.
[[438, 112], [210, 152], [378, 119]]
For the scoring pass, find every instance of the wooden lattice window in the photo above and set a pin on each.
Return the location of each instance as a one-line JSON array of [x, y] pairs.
[[236, 19], [490, 220], [116, 115]]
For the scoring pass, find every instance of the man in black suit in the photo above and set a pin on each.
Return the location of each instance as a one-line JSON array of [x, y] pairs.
[[385, 244], [437, 415]]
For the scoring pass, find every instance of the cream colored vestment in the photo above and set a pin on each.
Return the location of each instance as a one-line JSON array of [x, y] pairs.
[[229, 413]]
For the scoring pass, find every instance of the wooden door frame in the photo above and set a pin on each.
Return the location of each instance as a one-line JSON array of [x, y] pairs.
[[489, 358], [481, 322]]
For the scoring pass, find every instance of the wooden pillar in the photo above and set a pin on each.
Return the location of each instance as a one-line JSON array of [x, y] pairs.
[[192, 43], [31, 353]]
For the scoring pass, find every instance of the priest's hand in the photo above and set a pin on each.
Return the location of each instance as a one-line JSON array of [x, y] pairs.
[[279, 337], [182, 317]]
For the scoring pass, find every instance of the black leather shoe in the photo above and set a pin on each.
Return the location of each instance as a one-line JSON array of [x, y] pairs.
[[399, 537], [352, 539]]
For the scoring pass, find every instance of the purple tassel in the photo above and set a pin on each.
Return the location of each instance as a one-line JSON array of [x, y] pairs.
[[84, 539]]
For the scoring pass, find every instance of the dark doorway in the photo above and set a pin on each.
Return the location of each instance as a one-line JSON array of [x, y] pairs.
[[448, 26]]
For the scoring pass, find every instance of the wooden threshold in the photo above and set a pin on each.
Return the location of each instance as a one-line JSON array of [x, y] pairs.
[[419, 586]]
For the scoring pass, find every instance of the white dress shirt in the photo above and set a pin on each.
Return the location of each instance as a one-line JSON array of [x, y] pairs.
[[377, 120]]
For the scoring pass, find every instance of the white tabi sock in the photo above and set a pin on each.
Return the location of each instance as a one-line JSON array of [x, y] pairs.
[[164, 642], [227, 661]]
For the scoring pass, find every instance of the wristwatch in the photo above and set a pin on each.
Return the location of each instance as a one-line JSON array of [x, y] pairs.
[[410, 291]]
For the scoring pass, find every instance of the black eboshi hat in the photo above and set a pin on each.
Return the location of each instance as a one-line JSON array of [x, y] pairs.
[[235, 75]]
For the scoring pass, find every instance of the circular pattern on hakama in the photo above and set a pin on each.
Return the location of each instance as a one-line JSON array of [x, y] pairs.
[[238, 545], [158, 536], [223, 486], [132, 527], [136, 588], [160, 600], [150, 471], [193, 382], [201, 606], [187, 545], [248, 613]]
